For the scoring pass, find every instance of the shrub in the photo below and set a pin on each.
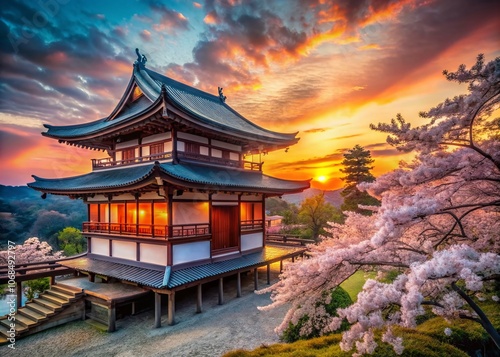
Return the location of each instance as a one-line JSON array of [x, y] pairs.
[[339, 299], [35, 287]]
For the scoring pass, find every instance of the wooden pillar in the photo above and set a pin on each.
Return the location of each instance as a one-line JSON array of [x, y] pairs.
[[157, 310], [133, 308], [199, 298], [19, 294], [53, 280], [112, 317], [171, 308], [268, 274], [221, 291], [293, 259], [281, 266], [238, 284], [92, 277], [255, 279]]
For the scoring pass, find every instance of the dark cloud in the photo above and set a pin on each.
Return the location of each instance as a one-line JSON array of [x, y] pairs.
[[346, 137], [59, 75], [171, 21], [316, 130], [311, 162]]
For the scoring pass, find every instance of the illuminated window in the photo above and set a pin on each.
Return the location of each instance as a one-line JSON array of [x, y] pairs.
[[145, 213], [160, 214], [136, 94], [94, 212]]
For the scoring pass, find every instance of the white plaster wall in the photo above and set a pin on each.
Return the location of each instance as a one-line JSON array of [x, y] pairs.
[[99, 246], [190, 252], [191, 137], [125, 196], [234, 156], [167, 146], [224, 145], [136, 152], [203, 150], [154, 254], [145, 151], [194, 196], [225, 197], [190, 212], [157, 137], [124, 250], [180, 146], [97, 198], [251, 198], [216, 153], [151, 196], [127, 144], [118, 155], [251, 241]]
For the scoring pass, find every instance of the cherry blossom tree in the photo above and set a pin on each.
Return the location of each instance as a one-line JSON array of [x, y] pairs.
[[31, 251], [439, 223]]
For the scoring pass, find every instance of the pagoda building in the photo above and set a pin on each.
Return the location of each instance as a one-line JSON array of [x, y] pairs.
[[182, 185]]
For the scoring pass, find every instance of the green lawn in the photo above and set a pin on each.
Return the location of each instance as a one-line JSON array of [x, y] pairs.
[[355, 283]]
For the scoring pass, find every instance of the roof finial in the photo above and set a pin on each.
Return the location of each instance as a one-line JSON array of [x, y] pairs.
[[141, 59], [222, 97]]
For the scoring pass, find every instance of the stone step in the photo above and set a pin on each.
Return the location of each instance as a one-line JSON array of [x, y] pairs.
[[40, 308], [61, 295], [26, 321], [54, 299], [4, 335], [67, 289], [31, 314], [41, 300], [19, 327]]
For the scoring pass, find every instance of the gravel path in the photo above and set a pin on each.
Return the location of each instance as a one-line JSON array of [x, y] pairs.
[[219, 329]]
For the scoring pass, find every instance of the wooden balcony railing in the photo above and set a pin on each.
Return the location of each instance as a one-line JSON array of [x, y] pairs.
[[108, 162], [147, 230], [251, 224]]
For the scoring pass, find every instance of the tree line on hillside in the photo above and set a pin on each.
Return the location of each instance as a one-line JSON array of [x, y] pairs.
[[24, 214], [313, 216]]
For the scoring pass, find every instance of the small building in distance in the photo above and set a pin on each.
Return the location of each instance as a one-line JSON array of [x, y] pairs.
[[181, 184]]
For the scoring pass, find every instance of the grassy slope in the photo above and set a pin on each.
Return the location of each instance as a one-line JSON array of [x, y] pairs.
[[427, 340]]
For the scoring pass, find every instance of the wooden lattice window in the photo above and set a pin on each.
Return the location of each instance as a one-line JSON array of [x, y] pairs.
[[156, 149]]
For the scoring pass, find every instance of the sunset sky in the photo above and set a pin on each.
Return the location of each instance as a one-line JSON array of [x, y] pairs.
[[324, 68]]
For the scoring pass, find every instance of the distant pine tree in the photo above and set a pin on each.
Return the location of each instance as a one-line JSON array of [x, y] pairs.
[[357, 165]]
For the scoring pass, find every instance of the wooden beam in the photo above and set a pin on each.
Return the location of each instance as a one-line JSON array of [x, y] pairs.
[[221, 291], [171, 308], [238, 284], [199, 298], [157, 310], [268, 274], [256, 279]]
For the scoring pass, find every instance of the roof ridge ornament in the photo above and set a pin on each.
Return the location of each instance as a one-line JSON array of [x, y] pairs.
[[141, 59], [222, 97]]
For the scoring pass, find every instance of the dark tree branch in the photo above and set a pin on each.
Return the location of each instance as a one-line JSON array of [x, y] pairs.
[[485, 322]]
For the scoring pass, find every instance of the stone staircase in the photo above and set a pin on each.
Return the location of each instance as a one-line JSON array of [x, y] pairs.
[[56, 306]]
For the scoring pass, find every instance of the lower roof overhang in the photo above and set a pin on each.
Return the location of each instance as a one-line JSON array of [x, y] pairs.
[[156, 176]]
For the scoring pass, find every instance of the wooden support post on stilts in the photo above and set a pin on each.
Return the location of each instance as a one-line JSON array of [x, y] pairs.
[[92, 277], [133, 308], [52, 280], [268, 274], [221, 291], [19, 294], [281, 266], [112, 317], [256, 279], [293, 259], [238, 284], [157, 310], [199, 298], [171, 308]]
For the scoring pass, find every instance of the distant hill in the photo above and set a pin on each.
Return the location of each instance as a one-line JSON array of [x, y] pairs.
[[332, 197], [23, 214]]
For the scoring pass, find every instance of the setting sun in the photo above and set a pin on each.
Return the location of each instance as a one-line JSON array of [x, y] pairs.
[[322, 178]]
